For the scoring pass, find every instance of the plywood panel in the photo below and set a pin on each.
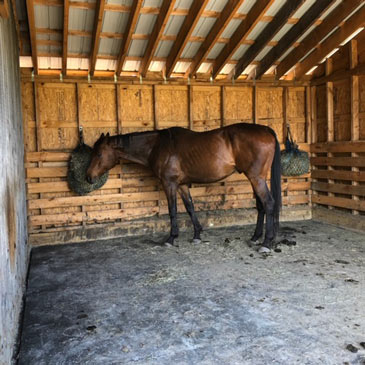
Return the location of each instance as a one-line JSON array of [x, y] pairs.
[[238, 105], [362, 106], [342, 110], [171, 106]]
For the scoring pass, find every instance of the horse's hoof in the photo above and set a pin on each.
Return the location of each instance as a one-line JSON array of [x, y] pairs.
[[264, 249], [196, 241], [254, 242]]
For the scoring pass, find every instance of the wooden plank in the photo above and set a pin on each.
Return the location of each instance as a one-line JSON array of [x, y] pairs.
[[334, 40], [335, 201], [183, 36], [287, 9], [32, 34], [288, 39], [358, 146], [4, 9], [47, 156], [132, 22], [253, 17], [158, 30], [215, 33], [310, 41], [339, 175], [34, 172], [99, 13], [338, 161], [339, 188]]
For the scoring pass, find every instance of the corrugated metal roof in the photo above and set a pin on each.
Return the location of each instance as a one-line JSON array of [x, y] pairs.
[[215, 51], [109, 46], [152, 3], [246, 7], [281, 32], [79, 45], [81, 19], [145, 24], [191, 49], [114, 22], [137, 48], [48, 17], [216, 5], [174, 24], [163, 48], [183, 4], [240, 52], [203, 27], [231, 28], [121, 2]]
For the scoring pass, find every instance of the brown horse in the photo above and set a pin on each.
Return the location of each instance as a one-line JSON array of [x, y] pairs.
[[179, 157]]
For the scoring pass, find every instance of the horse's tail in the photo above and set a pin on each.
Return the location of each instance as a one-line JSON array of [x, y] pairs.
[[275, 183]]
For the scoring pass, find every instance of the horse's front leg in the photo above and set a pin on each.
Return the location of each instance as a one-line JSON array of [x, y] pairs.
[[170, 190], [189, 206]]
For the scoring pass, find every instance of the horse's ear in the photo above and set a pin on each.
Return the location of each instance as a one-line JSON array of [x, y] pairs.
[[102, 136], [108, 135]]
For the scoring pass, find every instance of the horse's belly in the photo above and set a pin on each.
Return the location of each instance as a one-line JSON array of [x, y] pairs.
[[208, 174]]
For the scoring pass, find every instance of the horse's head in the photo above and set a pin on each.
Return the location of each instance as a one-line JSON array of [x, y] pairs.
[[103, 158]]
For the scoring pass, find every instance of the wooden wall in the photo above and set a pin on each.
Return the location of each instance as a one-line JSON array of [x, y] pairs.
[[338, 121], [53, 112]]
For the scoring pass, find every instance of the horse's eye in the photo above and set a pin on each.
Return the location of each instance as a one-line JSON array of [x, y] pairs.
[[99, 155]]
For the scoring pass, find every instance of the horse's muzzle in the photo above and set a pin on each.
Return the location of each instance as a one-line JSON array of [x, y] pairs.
[[90, 180]]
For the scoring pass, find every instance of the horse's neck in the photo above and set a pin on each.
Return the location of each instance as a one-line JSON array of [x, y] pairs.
[[137, 147]]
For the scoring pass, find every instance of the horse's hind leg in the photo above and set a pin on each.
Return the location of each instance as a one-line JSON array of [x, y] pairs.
[[262, 191], [189, 206], [170, 190], [260, 219]]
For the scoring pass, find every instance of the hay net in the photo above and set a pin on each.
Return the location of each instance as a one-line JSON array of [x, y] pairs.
[[78, 165]]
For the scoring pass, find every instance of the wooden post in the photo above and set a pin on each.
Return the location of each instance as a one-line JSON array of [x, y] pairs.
[[284, 127], [223, 108], [154, 106], [314, 136], [330, 114], [355, 126], [308, 131], [254, 104], [190, 107], [120, 130]]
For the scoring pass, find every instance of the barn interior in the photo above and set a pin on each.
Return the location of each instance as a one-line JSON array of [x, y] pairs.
[[122, 66]]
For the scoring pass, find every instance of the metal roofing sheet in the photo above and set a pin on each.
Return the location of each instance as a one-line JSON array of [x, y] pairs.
[[240, 51], [183, 4], [79, 45], [205, 67], [102, 64], [263, 53], [330, 9], [256, 31], [227, 69], [131, 65], [48, 17], [121, 2], [174, 24], [50, 62], [203, 27], [137, 48], [152, 3], [110, 46], [156, 66], [231, 28], [190, 49], [81, 19], [281, 32], [45, 49], [216, 5], [114, 22], [163, 48], [215, 51], [246, 7], [181, 67], [78, 63], [145, 23], [300, 12], [274, 8]]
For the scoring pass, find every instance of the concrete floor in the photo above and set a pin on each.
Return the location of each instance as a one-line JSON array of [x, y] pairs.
[[131, 301]]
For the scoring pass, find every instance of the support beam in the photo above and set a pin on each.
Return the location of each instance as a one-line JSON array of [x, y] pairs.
[[307, 20], [243, 30], [4, 9], [287, 9], [214, 34], [187, 28], [66, 9], [98, 21], [32, 35], [315, 37], [132, 21], [334, 40], [165, 12]]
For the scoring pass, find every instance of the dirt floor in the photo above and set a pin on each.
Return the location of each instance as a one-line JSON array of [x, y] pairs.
[[132, 301]]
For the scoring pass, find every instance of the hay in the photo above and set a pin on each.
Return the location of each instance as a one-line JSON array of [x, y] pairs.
[[294, 162], [78, 165]]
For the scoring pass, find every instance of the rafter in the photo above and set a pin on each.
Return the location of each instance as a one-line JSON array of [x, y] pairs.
[[344, 31], [225, 17], [287, 9], [187, 28], [165, 12], [66, 9], [98, 21], [329, 23], [32, 34], [132, 21], [292, 35], [253, 17]]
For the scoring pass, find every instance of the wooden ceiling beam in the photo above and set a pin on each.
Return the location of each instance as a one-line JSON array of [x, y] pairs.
[[184, 34], [98, 21], [344, 31], [66, 9], [225, 17], [307, 20], [253, 17], [315, 37], [287, 9], [132, 21], [32, 34], [158, 29]]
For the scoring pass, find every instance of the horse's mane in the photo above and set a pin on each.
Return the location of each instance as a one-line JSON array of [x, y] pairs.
[[126, 139]]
